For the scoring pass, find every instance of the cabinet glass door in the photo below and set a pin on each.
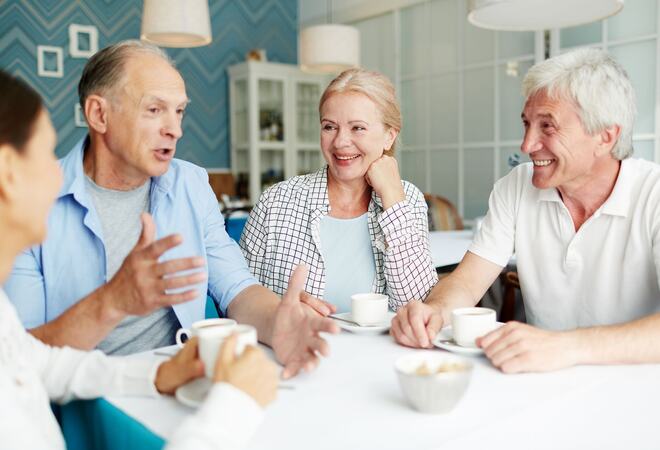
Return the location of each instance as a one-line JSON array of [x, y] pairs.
[[307, 112], [271, 110], [309, 160], [272, 167], [241, 112]]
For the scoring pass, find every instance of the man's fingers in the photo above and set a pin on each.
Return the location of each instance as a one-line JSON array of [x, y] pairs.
[[296, 284], [182, 281], [399, 335], [416, 319], [175, 299], [319, 345], [189, 351], [322, 324], [148, 231], [178, 265], [316, 304], [291, 370], [156, 249], [406, 329], [434, 325]]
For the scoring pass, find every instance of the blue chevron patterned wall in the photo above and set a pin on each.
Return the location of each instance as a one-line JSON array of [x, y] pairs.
[[238, 26]]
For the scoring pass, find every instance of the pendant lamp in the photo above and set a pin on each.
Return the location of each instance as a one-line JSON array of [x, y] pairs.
[[176, 23]]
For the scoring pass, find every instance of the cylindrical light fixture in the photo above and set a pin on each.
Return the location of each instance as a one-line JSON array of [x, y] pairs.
[[329, 48], [532, 15], [176, 23]]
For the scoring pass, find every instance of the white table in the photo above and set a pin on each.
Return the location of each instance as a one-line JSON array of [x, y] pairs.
[[449, 247], [353, 401]]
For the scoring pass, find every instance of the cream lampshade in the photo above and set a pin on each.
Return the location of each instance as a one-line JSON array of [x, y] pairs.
[[176, 23], [329, 48], [531, 15]]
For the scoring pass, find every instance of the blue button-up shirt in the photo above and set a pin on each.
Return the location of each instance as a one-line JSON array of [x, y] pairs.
[[49, 278]]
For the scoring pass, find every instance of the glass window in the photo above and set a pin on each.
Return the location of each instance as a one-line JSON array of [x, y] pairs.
[[478, 181], [515, 43], [639, 60], [444, 35], [581, 35], [413, 168], [415, 42], [637, 18], [511, 100], [644, 150], [414, 111], [444, 174], [444, 109], [509, 158], [377, 44], [479, 44], [478, 96]]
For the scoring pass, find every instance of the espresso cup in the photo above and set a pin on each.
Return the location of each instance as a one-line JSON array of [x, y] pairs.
[[369, 309], [470, 323], [196, 326], [211, 339]]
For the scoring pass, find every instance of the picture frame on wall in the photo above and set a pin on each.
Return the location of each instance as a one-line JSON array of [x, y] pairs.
[[78, 117], [50, 61], [83, 40]]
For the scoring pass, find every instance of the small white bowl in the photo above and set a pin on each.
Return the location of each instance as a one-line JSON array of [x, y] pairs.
[[437, 393]]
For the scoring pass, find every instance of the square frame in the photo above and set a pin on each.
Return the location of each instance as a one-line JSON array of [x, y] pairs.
[[78, 117], [42, 71], [75, 30]]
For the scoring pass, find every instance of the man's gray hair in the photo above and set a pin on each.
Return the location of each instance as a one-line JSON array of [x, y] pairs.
[[105, 69], [596, 84]]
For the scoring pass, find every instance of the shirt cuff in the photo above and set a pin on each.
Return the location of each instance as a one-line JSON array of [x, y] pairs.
[[395, 223], [138, 376], [234, 409]]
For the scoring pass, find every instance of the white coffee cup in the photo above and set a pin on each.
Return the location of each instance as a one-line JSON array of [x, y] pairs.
[[369, 309], [470, 323], [196, 326], [211, 338]]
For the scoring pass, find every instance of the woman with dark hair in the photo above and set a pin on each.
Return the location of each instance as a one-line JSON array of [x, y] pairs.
[[32, 373]]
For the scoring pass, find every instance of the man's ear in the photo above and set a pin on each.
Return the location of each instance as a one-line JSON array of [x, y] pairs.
[[96, 113], [608, 138], [8, 171]]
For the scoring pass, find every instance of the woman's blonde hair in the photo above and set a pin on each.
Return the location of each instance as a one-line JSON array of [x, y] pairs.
[[377, 87]]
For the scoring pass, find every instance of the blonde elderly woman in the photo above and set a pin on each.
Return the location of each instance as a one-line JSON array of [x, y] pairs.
[[356, 225], [32, 373]]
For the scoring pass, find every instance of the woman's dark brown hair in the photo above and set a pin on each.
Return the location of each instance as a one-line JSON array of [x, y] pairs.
[[19, 108]]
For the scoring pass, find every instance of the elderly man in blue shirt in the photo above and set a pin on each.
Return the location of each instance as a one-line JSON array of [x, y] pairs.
[[102, 278]]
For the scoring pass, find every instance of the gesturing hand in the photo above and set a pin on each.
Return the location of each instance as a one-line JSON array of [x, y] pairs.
[[139, 286], [296, 339], [317, 305]]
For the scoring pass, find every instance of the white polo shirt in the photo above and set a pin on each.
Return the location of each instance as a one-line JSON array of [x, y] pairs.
[[605, 273]]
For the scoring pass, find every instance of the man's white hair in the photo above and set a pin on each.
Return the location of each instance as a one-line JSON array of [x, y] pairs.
[[596, 84]]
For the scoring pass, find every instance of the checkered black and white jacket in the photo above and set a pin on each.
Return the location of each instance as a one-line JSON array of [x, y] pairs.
[[284, 230]]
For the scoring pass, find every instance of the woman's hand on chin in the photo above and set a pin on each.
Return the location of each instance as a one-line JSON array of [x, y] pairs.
[[383, 176]]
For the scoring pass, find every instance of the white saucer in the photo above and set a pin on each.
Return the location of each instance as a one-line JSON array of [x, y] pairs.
[[193, 394], [371, 329], [445, 340]]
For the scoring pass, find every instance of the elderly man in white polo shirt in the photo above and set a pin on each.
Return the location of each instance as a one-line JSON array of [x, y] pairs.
[[584, 221]]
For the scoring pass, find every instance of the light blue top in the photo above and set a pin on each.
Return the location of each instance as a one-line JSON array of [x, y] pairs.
[[350, 267], [49, 278]]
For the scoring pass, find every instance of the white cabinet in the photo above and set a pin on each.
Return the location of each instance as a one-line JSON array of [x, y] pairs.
[[274, 124]]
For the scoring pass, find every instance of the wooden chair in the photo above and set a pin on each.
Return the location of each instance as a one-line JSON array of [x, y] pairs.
[[443, 215]]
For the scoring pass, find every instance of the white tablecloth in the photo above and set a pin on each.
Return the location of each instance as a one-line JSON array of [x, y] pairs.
[[449, 247], [353, 401]]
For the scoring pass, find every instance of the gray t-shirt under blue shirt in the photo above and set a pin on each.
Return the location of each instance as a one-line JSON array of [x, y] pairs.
[[350, 267], [119, 213]]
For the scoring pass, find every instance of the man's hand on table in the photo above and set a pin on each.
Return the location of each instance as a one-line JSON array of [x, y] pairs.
[[518, 347], [296, 341], [139, 286], [416, 324], [182, 368]]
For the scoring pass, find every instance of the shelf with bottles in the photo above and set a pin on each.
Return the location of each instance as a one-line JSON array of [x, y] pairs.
[[272, 163], [307, 114]]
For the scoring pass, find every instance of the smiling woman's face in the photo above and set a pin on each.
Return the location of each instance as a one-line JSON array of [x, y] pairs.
[[352, 135]]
